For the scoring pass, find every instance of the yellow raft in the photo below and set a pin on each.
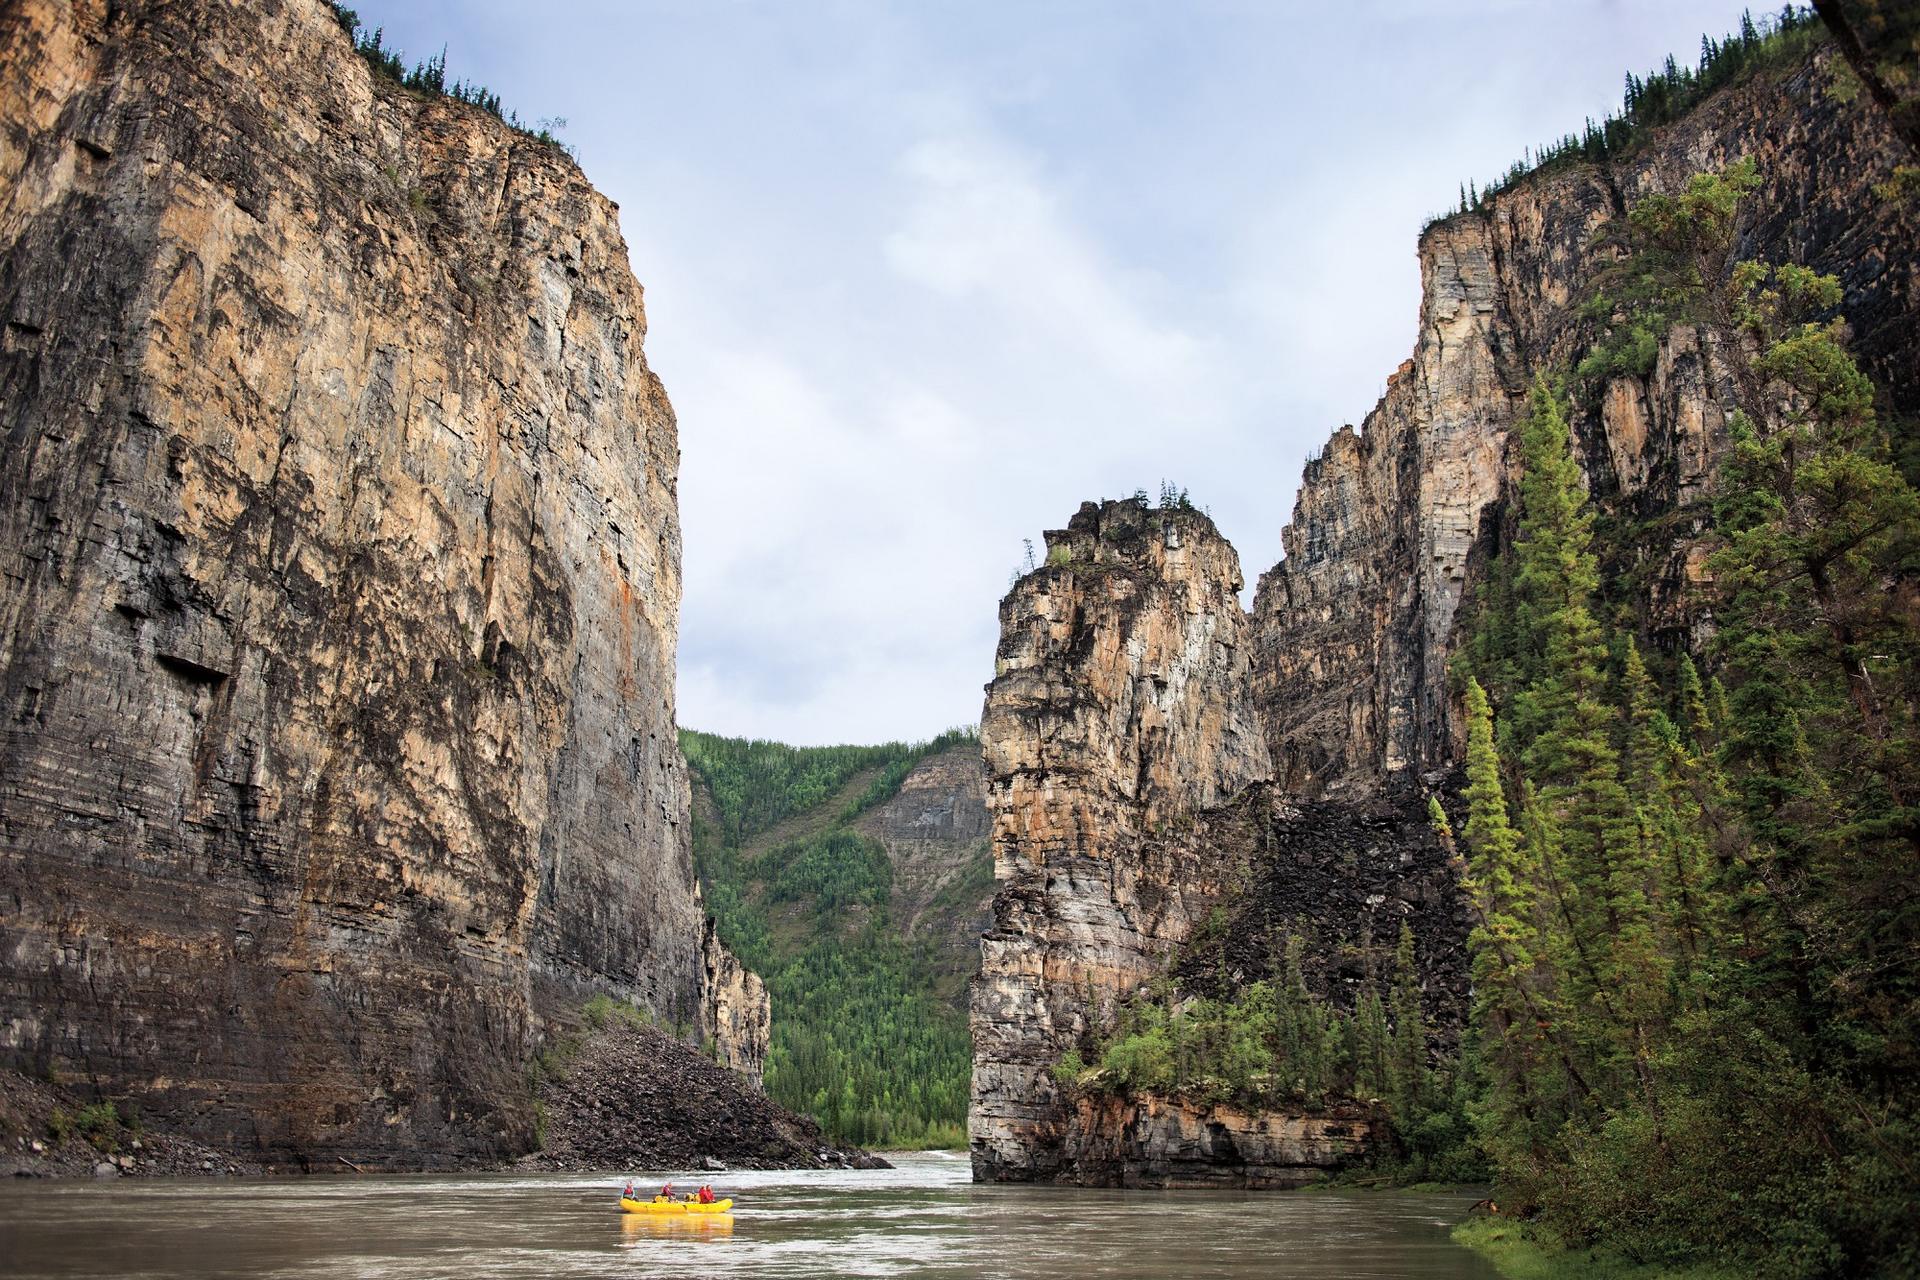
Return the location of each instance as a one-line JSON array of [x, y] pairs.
[[674, 1206]]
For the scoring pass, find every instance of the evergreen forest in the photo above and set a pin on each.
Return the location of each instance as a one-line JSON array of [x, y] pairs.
[[867, 1038], [1694, 855]]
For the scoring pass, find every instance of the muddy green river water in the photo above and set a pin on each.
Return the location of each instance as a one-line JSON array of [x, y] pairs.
[[924, 1218]]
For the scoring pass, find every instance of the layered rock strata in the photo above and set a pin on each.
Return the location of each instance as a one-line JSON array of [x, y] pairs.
[[736, 1016], [1170, 1142], [1280, 769], [1119, 709], [341, 574], [1352, 631]]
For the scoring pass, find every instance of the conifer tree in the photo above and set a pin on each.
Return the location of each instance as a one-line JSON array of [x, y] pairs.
[[1564, 726], [1509, 1002], [1695, 986], [1671, 856], [1370, 1043], [1407, 1061]]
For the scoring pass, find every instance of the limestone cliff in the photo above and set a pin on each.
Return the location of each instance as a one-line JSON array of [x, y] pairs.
[[1153, 751], [1118, 709], [1352, 629], [341, 569]]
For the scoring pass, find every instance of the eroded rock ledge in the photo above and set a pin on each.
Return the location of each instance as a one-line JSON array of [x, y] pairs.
[[1150, 1141], [1128, 786]]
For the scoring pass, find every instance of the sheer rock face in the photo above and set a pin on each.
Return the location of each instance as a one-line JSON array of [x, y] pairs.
[[341, 576], [736, 1014], [1119, 709], [1152, 752], [1353, 629]]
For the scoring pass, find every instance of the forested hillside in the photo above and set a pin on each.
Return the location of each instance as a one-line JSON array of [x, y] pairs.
[[866, 1037]]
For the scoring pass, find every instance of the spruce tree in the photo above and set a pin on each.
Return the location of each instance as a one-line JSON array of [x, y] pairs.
[[1507, 1003], [1370, 1043], [1564, 728], [1407, 1053], [1695, 983]]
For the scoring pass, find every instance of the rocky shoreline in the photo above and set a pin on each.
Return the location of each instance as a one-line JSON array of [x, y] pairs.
[[47, 1132], [619, 1097]]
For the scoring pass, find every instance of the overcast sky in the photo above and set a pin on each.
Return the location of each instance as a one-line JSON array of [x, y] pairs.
[[921, 277]]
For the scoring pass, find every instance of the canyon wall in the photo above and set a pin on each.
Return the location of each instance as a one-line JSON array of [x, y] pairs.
[[1352, 630], [341, 567], [1154, 753]]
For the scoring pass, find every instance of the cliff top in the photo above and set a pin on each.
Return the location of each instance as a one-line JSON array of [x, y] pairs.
[[1664, 96]]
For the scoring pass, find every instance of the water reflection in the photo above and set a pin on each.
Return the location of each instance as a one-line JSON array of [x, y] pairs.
[[664, 1226]]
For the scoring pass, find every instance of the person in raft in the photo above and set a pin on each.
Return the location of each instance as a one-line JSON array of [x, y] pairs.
[[706, 1195], [626, 1192]]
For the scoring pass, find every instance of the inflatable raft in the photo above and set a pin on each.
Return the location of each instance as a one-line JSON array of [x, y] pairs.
[[674, 1206]]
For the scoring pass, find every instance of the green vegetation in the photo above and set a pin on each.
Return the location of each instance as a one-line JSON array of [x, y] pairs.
[[1665, 94], [862, 1040], [1693, 858], [430, 77], [100, 1124], [755, 783], [1696, 872], [1274, 1044], [1530, 1252]]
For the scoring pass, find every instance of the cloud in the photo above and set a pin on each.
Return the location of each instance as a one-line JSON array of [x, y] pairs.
[[985, 226], [921, 278]]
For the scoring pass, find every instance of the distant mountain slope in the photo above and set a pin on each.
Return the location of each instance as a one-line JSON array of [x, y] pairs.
[[934, 829], [857, 880]]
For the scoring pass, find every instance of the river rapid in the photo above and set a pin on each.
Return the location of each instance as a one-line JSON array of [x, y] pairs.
[[923, 1218]]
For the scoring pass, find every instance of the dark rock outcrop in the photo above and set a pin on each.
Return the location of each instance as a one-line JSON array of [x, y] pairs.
[[339, 580], [47, 1131], [626, 1097]]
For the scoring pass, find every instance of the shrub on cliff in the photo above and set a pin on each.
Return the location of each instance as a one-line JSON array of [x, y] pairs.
[[99, 1123]]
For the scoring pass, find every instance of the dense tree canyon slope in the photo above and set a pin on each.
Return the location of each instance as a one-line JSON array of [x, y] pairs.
[[857, 879], [1199, 809], [341, 567]]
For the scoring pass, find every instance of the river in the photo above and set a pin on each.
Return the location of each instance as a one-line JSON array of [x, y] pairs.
[[924, 1218]]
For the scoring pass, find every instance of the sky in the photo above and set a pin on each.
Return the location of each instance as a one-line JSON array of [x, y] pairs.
[[922, 277]]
